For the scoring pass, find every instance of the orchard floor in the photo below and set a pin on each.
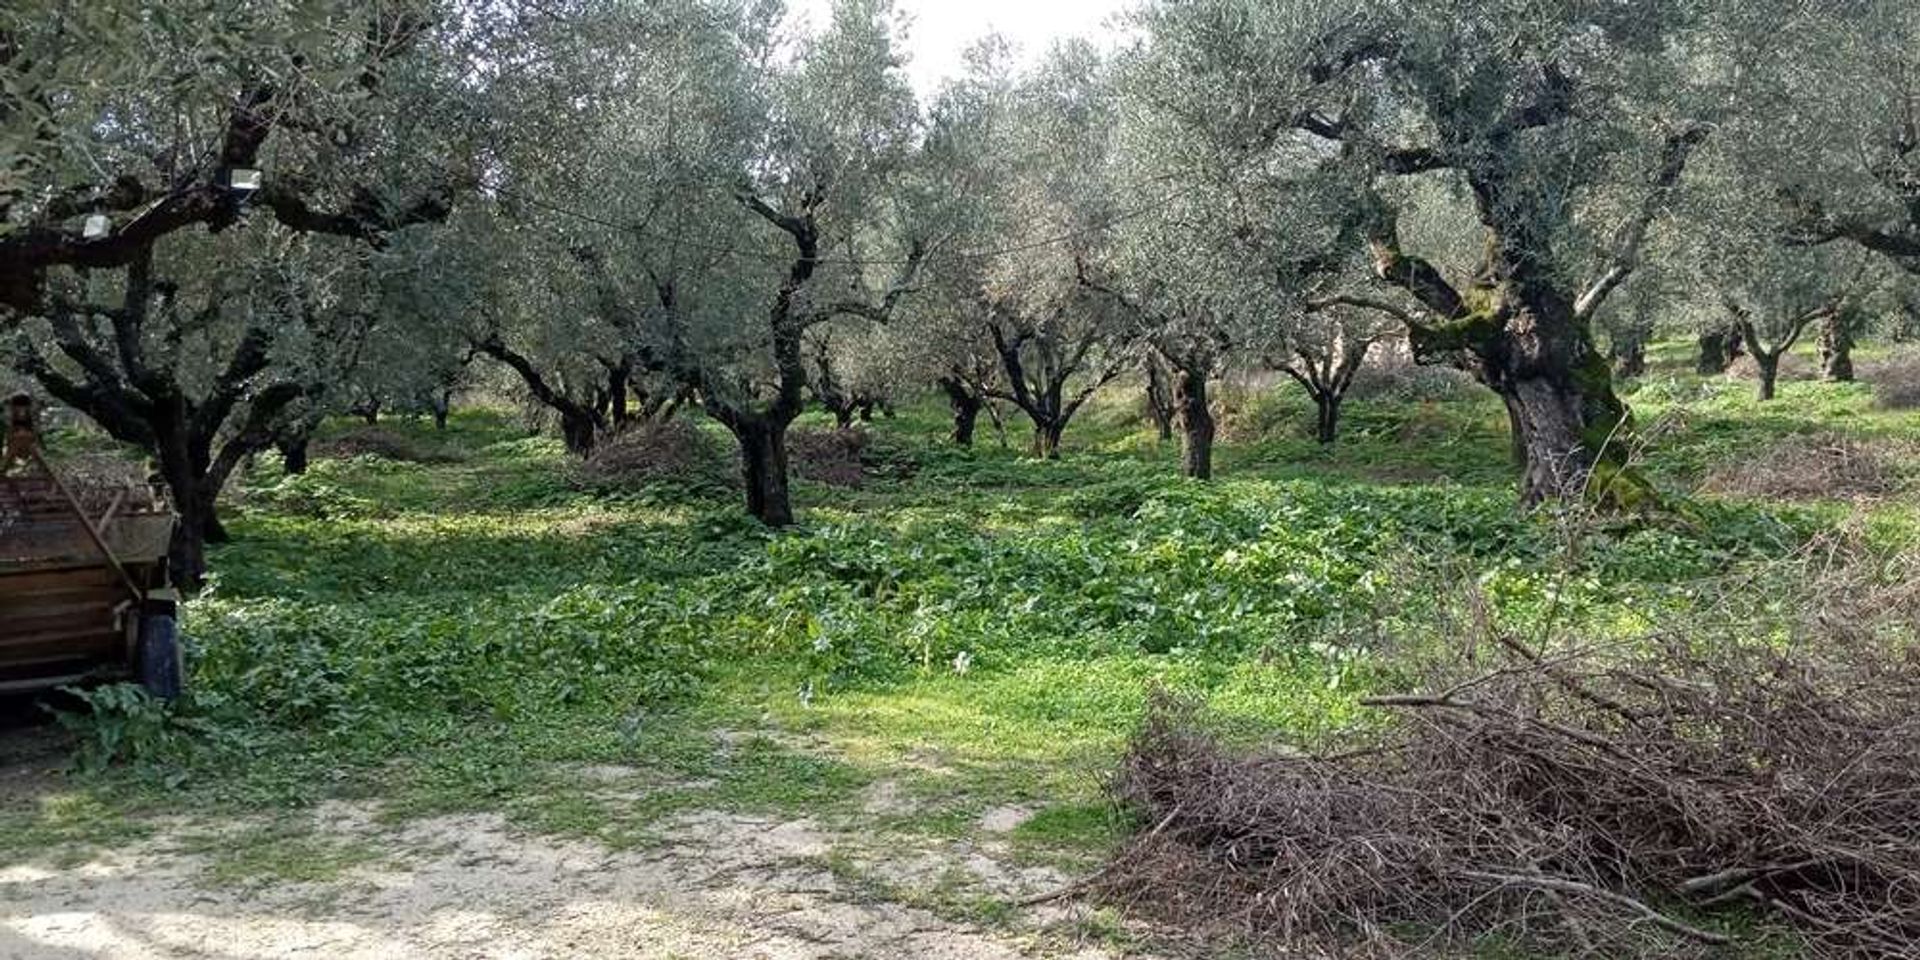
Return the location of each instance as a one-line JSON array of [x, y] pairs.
[[454, 699]]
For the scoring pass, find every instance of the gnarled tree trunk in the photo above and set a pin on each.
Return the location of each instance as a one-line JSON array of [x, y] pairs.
[[1532, 343], [1559, 391], [1836, 346], [1326, 426], [1534, 350], [1196, 423], [966, 405]]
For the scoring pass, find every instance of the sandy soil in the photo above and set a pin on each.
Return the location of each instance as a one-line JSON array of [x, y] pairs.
[[721, 886]]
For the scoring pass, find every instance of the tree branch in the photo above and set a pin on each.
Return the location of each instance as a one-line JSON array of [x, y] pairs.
[[1632, 234]]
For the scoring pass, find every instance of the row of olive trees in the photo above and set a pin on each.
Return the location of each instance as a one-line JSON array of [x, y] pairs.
[[195, 208], [635, 207]]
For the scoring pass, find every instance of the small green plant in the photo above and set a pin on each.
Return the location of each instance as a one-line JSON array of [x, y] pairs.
[[122, 724], [315, 495]]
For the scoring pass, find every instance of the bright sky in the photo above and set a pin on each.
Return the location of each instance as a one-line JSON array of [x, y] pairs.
[[942, 30]]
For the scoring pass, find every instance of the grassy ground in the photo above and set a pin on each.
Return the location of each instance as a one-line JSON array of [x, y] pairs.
[[970, 637]]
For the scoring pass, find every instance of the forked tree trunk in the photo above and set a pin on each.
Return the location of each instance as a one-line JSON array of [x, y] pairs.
[[1836, 347], [1196, 423], [1327, 416], [763, 460], [1046, 438], [1559, 395]]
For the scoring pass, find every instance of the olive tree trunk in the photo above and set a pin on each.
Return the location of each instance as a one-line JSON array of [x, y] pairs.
[[1767, 365], [1327, 417], [763, 462], [1162, 405], [1196, 423], [966, 405], [1557, 387], [1836, 347], [1046, 438]]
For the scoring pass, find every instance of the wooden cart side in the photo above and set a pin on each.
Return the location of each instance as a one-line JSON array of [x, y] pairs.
[[61, 625], [75, 581]]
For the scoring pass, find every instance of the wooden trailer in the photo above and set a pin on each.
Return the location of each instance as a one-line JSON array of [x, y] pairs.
[[84, 593]]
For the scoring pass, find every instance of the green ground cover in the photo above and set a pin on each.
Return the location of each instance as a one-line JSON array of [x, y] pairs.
[[975, 628]]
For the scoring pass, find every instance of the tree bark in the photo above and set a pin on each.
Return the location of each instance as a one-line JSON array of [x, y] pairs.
[[1046, 439], [187, 550], [184, 469], [1162, 406], [966, 409], [1768, 367], [763, 459], [1327, 417], [580, 433], [293, 453], [1558, 391], [1196, 423], [1836, 346]]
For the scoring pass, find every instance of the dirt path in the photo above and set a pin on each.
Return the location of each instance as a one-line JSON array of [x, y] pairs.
[[718, 886]]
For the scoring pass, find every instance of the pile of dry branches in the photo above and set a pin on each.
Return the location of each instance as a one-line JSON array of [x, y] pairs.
[[676, 450], [1814, 467], [1895, 379], [97, 481], [1648, 799]]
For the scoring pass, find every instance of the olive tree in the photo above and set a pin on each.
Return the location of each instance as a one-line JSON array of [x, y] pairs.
[[1035, 153], [125, 127], [1757, 280], [1563, 127], [159, 122], [1838, 143], [831, 184], [729, 189], [198, 364]]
